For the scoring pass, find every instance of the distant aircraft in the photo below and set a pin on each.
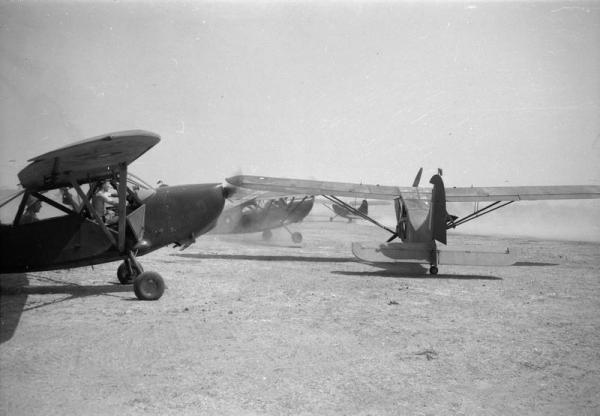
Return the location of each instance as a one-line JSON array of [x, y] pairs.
[[262, 213], [354, 214], [82, 234], [421, 216]]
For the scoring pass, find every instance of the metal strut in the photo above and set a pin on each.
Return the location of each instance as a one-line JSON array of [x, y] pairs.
[[355, 211], [478, 213]]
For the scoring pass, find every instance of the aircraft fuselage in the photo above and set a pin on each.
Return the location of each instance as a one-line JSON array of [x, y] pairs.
[[172, 215]]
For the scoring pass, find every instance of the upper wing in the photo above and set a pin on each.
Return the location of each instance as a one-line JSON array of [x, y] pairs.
[[525, 193], [513, 193], [86, 161], [310, 187]]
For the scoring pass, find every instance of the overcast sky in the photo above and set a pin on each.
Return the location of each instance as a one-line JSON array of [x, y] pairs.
[[493, 93]]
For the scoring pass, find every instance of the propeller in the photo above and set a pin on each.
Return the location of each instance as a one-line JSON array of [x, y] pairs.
[[417, 178]]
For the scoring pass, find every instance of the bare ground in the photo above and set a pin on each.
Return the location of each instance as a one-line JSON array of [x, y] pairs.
[[247, 327]]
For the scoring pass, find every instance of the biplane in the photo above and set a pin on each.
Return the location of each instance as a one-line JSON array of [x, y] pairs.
[[422, 220], [74, 232], [261, 213]]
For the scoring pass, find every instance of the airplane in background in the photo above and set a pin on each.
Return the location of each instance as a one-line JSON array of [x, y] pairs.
[[261, 213], [422, 220], [76, 234], [357, 213]]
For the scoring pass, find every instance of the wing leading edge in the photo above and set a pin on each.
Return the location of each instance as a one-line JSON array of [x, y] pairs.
[[311, 187], [87, 160], [472, 194]]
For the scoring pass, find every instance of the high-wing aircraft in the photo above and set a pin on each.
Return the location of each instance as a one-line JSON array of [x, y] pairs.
[[421, 216], [341, 211], [262, 212], [76, 232]]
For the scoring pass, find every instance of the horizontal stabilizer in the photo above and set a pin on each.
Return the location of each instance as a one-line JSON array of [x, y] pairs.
[[393, 252], [423, 253]]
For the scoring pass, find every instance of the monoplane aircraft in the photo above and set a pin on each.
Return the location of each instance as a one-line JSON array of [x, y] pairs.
[[421, 216], [258, 212], [81, 232], [341, 211]]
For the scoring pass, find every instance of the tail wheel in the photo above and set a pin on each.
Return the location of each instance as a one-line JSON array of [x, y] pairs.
[[433, 270], [127, 272], [296, 237], [149, 286]]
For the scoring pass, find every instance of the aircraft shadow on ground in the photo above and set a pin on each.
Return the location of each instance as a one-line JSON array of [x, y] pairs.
[[410, 271], [15, 289], [310, 259], [409, 275], [533, 264]]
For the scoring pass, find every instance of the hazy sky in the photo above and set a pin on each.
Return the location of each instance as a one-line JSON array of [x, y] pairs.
[[494, 93]]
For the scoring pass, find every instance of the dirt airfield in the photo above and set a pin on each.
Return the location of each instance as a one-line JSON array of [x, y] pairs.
[[248, 327]]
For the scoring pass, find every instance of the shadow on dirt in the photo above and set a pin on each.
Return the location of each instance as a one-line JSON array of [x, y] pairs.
[[11, 306], [406, 274], [312, 259], [532, 264], [15, 288]]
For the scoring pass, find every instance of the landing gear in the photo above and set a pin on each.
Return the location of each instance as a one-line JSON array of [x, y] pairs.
[[146, 285], [128, 271], [267, 235], [433, 270], [297, 237], [149, 286]]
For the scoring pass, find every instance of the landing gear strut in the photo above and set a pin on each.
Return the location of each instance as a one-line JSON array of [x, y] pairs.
[[128, 271], [146, 285]]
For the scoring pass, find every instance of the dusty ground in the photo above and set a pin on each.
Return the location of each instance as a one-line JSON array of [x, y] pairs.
[[247, 327]]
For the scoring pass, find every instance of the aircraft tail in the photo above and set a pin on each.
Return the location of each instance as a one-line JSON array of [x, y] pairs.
[[438, 214], [364, 207]]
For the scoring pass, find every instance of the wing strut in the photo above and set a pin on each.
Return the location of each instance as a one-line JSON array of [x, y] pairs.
[[122, 202], [478, 213], [355, 211]]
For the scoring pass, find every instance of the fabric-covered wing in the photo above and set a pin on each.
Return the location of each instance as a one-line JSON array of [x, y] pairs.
[[522, 193], [238, 195], [86, 161], [311, 187]]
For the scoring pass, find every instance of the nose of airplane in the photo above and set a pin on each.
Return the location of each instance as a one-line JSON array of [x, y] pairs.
[[204, 205], [183, 212]]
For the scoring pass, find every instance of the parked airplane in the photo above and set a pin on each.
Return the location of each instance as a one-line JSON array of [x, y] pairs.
[[86, 233], [421, 216], [341, 211], [261, 213]]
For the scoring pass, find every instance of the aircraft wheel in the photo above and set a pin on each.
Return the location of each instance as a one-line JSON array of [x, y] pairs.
[[149, 286], [267, 235], [296, 237], [124, 275], [433, 270]]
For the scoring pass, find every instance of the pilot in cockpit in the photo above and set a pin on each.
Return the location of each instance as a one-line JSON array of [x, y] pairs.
[[102, 198]]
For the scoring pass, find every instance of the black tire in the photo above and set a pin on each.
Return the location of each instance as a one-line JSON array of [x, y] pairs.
[[124, 275], [267, 235], [149, 286], [433, 270], [297, 237]]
